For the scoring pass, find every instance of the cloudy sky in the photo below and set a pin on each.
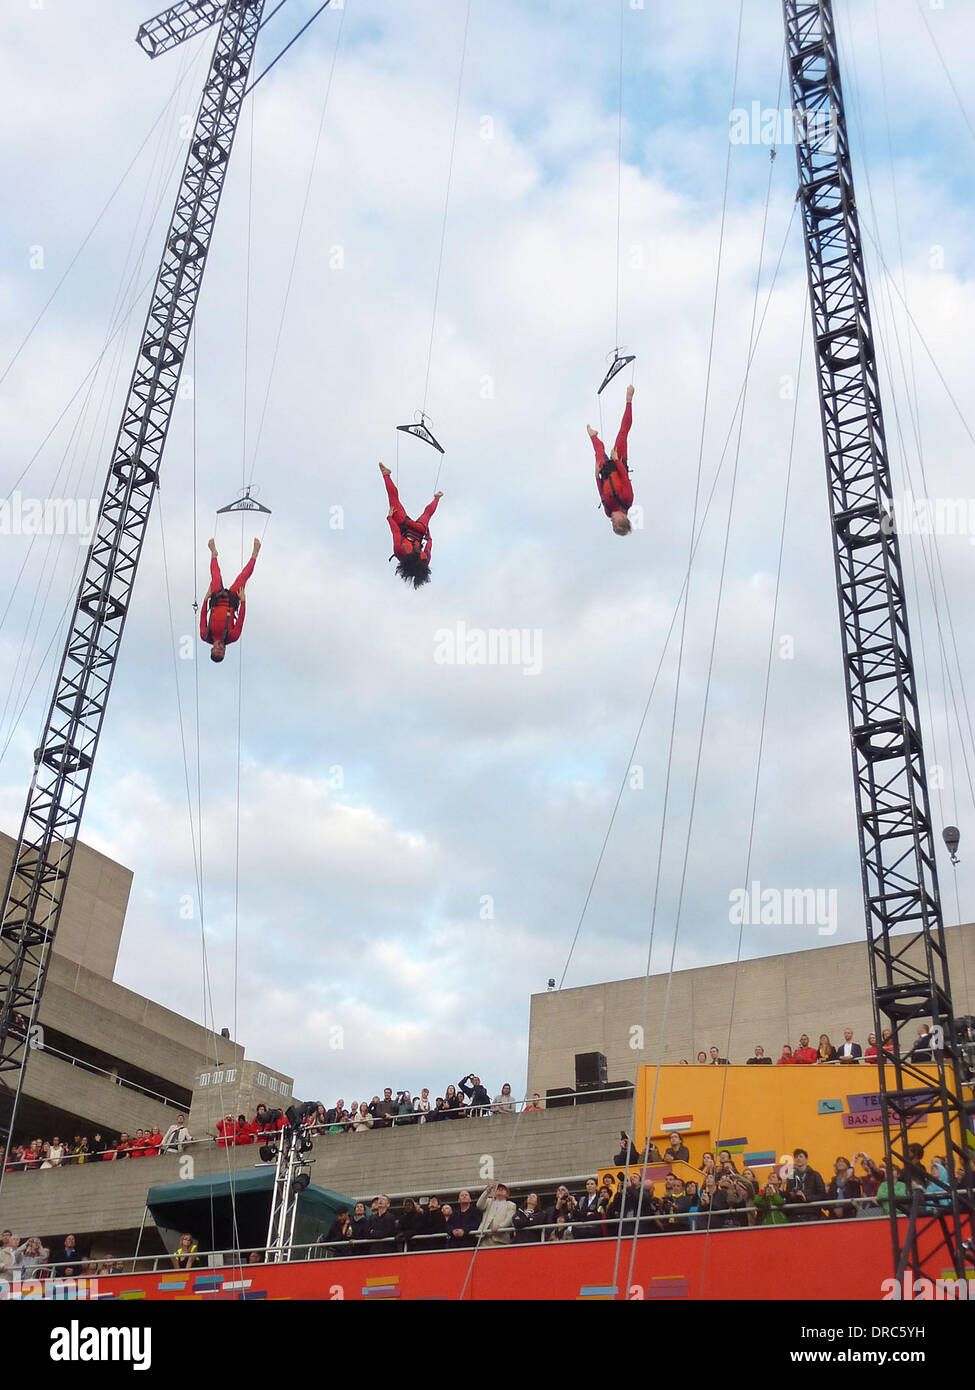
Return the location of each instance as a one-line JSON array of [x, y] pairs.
[[415, 836]]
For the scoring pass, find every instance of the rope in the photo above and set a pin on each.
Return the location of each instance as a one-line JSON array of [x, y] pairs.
[[298, 236], [180, 80], [306, 25], [619, 179], [951, 82], [443, 225], [677, 605]]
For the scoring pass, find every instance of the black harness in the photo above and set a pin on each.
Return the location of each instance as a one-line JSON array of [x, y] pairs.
[[607, 474], [232, 601], [409, 531]]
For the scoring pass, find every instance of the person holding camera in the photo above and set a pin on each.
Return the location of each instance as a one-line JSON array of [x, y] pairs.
[[564, 1205], [497, 1222], [804, 1189], [476, 1094]]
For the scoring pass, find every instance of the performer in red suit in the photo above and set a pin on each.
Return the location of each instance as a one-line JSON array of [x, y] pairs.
[[612, 474], [227, 1129], [412, 543], [222, 614]]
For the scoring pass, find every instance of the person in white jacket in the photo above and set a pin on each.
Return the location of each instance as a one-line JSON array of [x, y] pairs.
[[496, 1226], [176, 1136]]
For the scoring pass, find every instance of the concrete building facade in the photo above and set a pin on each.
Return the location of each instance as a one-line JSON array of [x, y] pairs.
[[733, 1007]]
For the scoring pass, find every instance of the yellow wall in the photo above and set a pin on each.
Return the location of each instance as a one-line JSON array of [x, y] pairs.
[[771, 1107]]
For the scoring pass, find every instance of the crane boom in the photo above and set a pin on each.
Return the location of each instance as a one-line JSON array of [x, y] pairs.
[[905, 931], [63, 762]]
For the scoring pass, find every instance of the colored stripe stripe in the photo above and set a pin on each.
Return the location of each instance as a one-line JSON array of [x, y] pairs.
[[188, 1298], [132, 1293], [171, 1284], [200, 1281], [668, 1288], [382, 1281], [732, 1145], [760, 1158], [237, 1285], [254, 1293], [390, 1292], [598, 1291]]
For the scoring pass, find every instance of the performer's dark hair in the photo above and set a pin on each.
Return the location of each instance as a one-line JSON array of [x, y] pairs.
[[413, 569], [215, 657]]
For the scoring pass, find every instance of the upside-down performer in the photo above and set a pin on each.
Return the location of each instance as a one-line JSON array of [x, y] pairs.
[[222, 614], [412, 545], [613, 475]]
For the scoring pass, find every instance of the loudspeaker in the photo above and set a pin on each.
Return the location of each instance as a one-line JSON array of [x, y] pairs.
[[590, 1070], [559, 1095]]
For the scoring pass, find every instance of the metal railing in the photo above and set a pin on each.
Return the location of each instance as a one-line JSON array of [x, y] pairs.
[[111, 1075], [436, 1242]]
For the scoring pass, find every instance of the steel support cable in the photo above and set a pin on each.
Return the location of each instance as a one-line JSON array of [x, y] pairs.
[[116, 319], [170, 101], [443, 224], [297, 244], [677, 606], [712, 332], [307, 25], [910, 384], [196, 842], [933, 570], [73, 446], [695, 782], [951, 81], [619, 177], [753, 814], [108, 389]]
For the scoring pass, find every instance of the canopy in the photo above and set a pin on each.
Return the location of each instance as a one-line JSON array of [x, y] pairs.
[[205, 1208]]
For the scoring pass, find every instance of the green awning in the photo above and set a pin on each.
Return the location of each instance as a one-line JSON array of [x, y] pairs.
[[230, 1211]]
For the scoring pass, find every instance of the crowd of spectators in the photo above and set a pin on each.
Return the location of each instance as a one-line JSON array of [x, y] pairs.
[[848, 1051], [31, 1259], [467, 1099]]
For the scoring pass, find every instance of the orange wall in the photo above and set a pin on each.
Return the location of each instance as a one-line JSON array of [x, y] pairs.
[[770, 1107]]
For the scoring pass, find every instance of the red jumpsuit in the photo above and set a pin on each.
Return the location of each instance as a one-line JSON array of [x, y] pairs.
[[612, 478], [218, 622], [227, 1129], [409, 537]]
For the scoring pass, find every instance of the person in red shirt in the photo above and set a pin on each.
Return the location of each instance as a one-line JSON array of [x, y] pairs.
[[222, 614], [787, 1059], [612, 474], [804, 1054], [246, 1131], [154, 1142], [227, 1130], [412, 543], [141, 1143]]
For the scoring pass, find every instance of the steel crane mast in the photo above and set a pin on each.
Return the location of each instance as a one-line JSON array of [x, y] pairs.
[[63, 762], [905, 931]]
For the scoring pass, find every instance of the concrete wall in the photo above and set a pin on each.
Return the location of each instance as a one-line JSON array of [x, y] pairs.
[[104, 1104], [95, 900], [543, 1147], [774, 1000]]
